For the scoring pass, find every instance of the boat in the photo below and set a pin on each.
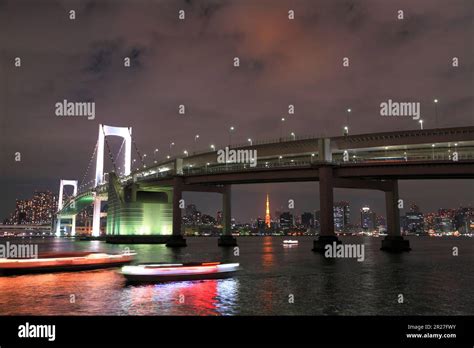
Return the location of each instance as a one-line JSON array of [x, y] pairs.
[[290, 242], [163, 272], [63, 262]]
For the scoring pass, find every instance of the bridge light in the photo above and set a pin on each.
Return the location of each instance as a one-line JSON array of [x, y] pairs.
[[185, 152], [349, 110], [435, 101], [346, 130], [250, 141], [231, 129], [168, 157], [213, 147], [455, 144], [433, 145], [293, 135]]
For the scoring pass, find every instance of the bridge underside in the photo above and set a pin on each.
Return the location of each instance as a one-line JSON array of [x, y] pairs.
[[138, 212]]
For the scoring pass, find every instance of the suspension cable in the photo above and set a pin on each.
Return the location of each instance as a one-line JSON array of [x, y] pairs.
[[89, 165], [118, 153], [136, 148], [110, 153]]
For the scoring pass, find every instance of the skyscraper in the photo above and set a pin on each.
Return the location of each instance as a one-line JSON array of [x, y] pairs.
[[267, 213], [341, 215], [367, 218], [307, 219]]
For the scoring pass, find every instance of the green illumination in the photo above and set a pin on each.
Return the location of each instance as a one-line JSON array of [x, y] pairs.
[[140, 218]]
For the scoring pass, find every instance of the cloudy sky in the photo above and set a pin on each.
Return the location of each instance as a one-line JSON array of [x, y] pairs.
[[190, 62]]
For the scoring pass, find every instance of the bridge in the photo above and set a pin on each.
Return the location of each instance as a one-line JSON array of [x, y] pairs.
[[148, 201]]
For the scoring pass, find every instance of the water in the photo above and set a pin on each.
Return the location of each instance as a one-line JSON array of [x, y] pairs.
[[431, 280]]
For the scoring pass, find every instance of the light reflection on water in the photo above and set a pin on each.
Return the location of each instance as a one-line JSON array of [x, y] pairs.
[[430, 278]]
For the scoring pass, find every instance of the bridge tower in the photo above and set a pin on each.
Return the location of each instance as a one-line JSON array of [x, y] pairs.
[[63, 183], [126, 134]]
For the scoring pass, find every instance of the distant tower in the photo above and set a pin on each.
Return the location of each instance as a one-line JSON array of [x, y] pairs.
[[267, 213]]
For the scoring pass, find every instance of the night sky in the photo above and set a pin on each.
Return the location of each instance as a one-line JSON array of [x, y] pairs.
[[190, 62]]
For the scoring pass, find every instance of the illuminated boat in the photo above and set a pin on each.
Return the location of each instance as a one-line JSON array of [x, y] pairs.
[[63, 262], [162, 272], [290, 242]]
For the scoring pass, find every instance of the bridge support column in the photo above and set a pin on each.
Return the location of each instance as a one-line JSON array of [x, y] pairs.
[[58, 227], [177, 239], [393, 242], [73, 226], [326, 202], [96, 217], [226, 239]]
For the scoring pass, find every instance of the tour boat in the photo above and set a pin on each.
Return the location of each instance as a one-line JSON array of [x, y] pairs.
[[290, 242], [162, 272], [63, 262]]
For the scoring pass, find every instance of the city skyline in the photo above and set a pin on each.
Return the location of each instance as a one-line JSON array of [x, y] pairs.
[[42, 205], [299, 64]]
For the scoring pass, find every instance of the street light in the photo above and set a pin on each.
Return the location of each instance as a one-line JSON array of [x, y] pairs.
[[421, 124], [281, 127], [250, 141], [346, 127], [293, 135], [435, 101], [185, 152], [213, 148], [231, 129], [171, 145], [433, 148], [154, 154]]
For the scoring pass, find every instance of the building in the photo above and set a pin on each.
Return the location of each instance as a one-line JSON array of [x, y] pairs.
[[307, 220], [367, 219], [341, 215], [40, 209], [286, 220], [414, 222], [220, 218], [260, 224], [464, 220], [191, 210]]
